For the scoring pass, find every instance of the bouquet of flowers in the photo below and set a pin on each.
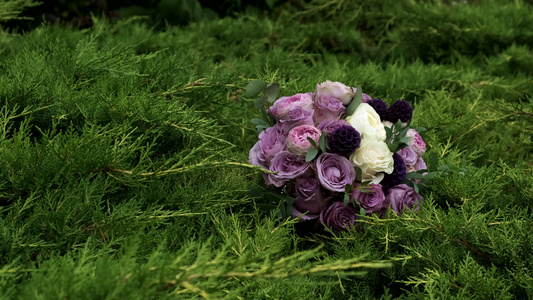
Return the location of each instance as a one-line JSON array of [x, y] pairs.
[[338, 154]]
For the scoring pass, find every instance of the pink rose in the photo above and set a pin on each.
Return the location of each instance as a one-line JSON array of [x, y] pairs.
[[416, 142], [283, 105], [297, 141]]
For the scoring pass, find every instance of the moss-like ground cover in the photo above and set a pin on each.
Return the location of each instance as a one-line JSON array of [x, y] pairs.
[[123, 155]]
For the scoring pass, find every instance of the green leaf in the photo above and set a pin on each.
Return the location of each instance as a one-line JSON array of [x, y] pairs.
[[272, 92], [255, 87], [388, 130], [420, 129], [415, 186], [405, 139], [323, 141], [259, 103], [258, 121], [355, 101], [311, 154], [346, 199], [358, 174], [312, 142]]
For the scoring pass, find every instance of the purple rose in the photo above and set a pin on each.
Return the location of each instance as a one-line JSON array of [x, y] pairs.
[[371, 199], [288, 166], [408, 155], [327, 108], [331, 125], [338, 217], [272, 141], [334, 171], [297, 141], [283, 105], [297, 116], [309, 198], [403, 197]]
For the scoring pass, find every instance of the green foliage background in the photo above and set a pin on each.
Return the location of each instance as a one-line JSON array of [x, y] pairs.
[[123, 155]]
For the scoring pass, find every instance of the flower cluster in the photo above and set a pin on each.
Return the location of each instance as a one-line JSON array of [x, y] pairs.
[[341, 154]]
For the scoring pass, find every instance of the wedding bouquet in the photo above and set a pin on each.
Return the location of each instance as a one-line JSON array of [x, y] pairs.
[[337, 154]]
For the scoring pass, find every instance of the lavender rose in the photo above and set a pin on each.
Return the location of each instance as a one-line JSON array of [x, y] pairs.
[[297, 116], [309, 198], [272, 141], [327, 108], [419, 165], [334, 171], [371, 199], [408, 155], [329, 125], [403, 197], [283, 105], [256, 157], [297, 141], [338, 217], [336, 90], [288, 166]]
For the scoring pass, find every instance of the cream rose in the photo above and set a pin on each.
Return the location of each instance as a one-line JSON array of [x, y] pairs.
[[367, 122], [335, 90], [373, 157]]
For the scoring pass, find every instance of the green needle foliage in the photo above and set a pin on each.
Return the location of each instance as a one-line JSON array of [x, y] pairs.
[[124, 172]]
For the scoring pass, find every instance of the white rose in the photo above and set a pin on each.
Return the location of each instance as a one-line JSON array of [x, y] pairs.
[[372, 157], [336, 90], [367, 122]]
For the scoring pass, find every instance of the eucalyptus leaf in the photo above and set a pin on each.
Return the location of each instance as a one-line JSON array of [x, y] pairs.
[[355, 101], [255, 87], [346, 199], [311, 154], [413, 175], [272, 92], [260, 103]]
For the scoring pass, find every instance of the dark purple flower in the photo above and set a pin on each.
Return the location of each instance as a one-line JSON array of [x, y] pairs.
[[288, 166], [380, 107], [338, 217], [329, 125], [327, 108], [400, 110], [344, 140], [371, 199], [297, 116], [397, 176], [403, 197], [309, 197], [408, 155], [334, 171]]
